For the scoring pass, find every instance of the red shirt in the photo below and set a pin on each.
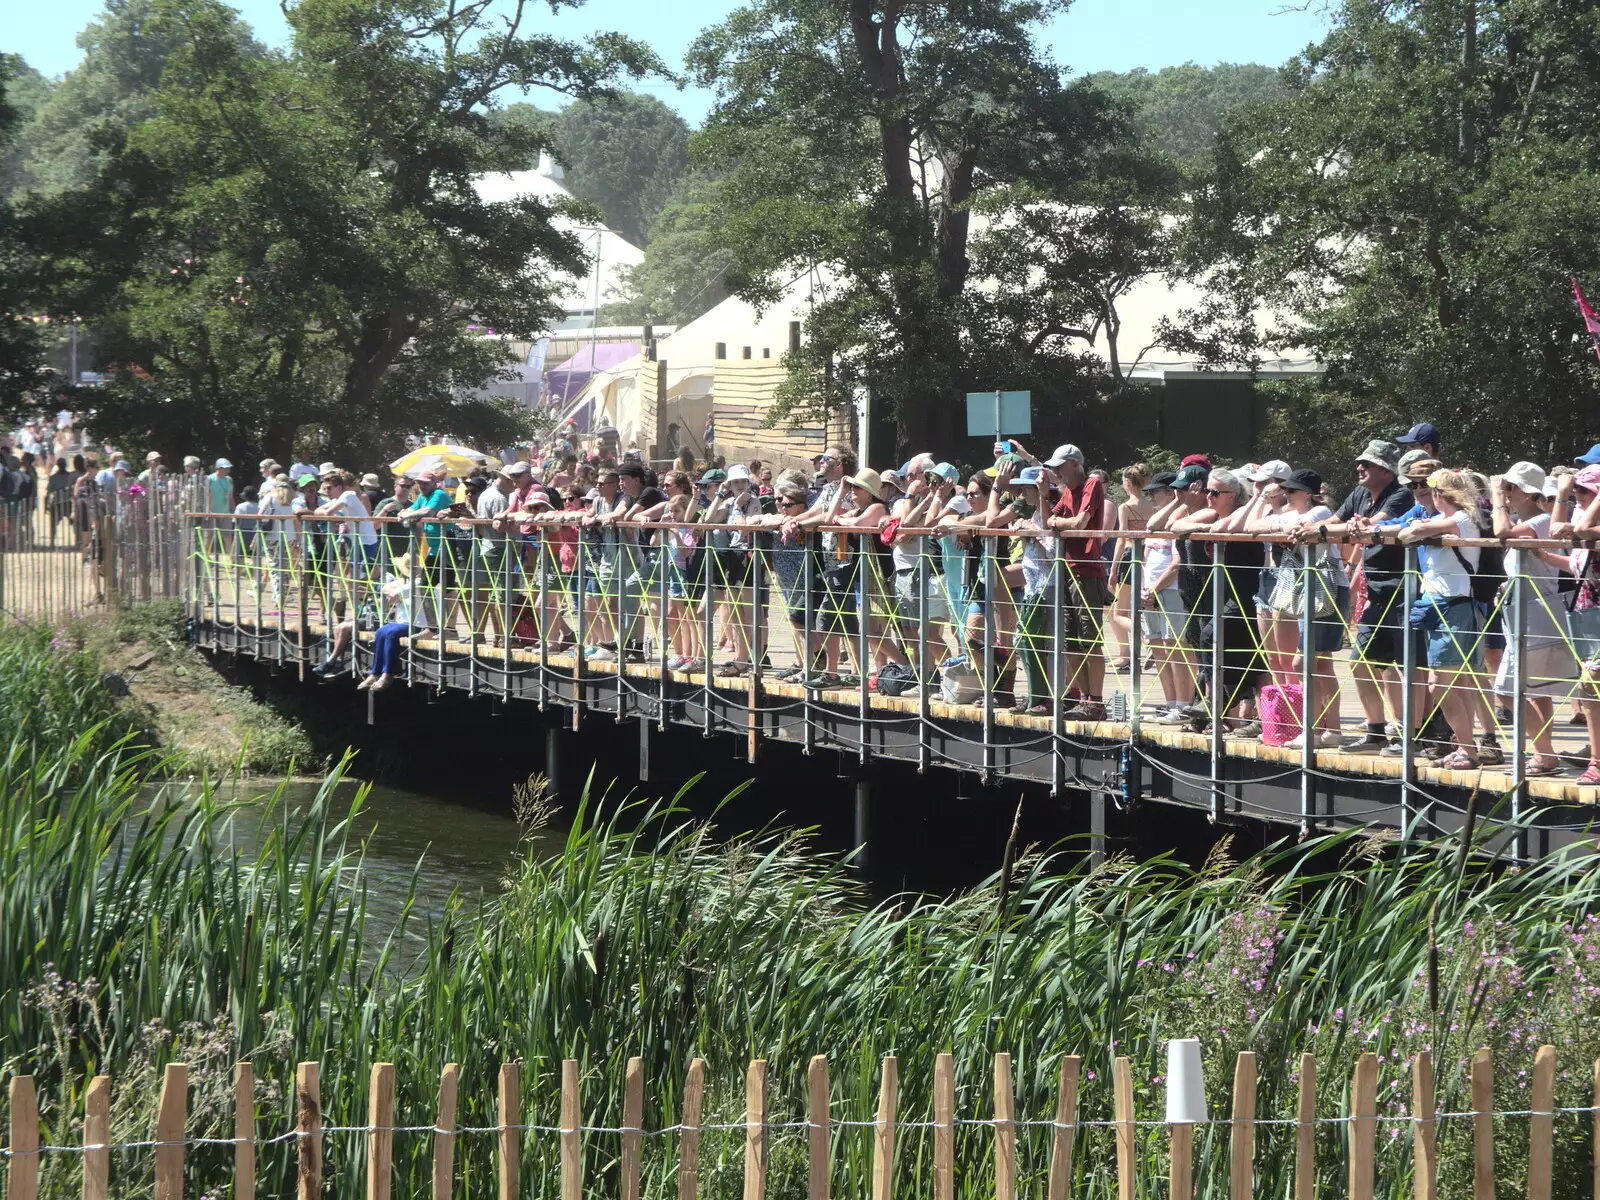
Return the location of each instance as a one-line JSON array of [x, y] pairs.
[[1083, 554]]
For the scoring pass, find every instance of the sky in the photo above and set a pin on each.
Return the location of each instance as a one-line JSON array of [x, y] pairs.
[[1092, 35]]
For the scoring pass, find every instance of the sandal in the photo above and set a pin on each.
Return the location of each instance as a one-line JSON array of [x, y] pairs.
[[1037, 710], [1462, 761], [1591, 773], [1538, 765]]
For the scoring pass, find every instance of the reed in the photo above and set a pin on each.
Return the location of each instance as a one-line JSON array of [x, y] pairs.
[[135, 934]]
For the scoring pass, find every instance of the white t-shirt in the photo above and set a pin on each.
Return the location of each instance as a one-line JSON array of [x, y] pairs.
[[1296, 556], [349, 505], [1442, 572], [1158, 556]]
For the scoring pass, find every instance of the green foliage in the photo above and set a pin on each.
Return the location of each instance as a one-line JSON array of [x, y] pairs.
[[624, 154], [1412, 210], [1180, 110], [25, 91], [686, 259], [21, 348]]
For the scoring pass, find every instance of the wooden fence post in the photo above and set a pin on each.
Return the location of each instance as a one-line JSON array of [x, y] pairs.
[[244, 1131], [1305, 1144], [510, 1137], [444, 1133], [22, 1171], [308, 1107], [819, 1144], [1541, 1125], [944, 1127], [883, 1134], [172, 1118], [571, 1130], [380, 1131], [1242, 1134], [1483, 1124], [694, 1096], [755, 1130], [1061, 1143], [1180, 1166], [632, 1127], [1005, 1130], [1122, 1106], [1363, 1125], [97, 1139], [1424, 1129]]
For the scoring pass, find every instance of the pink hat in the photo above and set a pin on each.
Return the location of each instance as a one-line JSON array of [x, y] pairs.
[[1588, 479]]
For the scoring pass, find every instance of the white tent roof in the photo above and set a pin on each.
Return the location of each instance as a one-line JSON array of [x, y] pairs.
[[614, 252]]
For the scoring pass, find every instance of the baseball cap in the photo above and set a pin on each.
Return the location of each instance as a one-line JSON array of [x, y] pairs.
[[714, 476], [515, 469], [1273, 468], [1191, 474], [1425, 432], [1527, 476], [1161, 482], [1196, 460], [221, 464], [153, 456], [959, 504], [1381, 454], [738, 471], [1303, 480], [1592, 457], [946, 471], [305, 479], [1063, 453]]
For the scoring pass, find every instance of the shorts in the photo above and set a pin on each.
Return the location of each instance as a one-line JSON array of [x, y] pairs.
[[1454, 642], [1328, 631], [836, 603], [1494, 634], [730, 569], [1551, 670], [1166, 621], [1583, 627], [1122, 572], [1380, 637], [906, 604], [1087, 597]]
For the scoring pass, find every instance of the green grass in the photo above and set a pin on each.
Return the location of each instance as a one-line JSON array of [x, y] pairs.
[[134, 936]]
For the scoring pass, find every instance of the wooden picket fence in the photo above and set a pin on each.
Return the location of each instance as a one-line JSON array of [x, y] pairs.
[[170, 1137]]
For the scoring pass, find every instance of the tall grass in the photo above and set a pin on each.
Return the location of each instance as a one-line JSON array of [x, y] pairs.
[[134, 935]]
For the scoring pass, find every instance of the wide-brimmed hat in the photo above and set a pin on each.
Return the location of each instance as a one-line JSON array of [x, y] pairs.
[[738, 471], [1419, 470], [1381, 453], [1527, 476], [370, 480], [868, 480], [1588, 478]]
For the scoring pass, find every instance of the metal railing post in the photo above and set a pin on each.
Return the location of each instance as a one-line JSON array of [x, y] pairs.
[[664, 629], [1408, 675], [1519, 696], [807, 657], [863, 664], [1219, 699], [992, 599], [1135, 635], [1059, 578], [708, 640], [926, 576], [1308, 754]]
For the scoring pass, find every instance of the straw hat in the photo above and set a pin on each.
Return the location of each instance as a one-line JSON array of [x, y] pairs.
[[868, 479]]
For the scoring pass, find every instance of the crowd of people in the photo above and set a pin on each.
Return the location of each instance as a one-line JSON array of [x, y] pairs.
[[1027, 572]]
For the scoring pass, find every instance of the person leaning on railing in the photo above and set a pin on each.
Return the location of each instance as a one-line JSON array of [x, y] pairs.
[[1576, 512]]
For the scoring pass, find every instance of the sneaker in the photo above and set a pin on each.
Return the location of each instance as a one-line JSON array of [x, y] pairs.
[[1172, 715], [1086, 710], [677, 663], [1329, 739], [789, 674], [823, 679], [694, 664], [601, 654], [732, 670], [1247, 732], [849, 680], [1371, 743]]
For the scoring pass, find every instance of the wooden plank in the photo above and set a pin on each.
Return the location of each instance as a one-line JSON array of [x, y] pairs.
[[944, 1127], [1180, 1168], [571, 1132], [244, 1131], [819, 1135], [1061, 1143], [694, 1097], [97, 1139], [508, 1116], [380, 1132], [1242, 1134], [1305, 1141], [1005, 1130], [444, 1132], [1424, 1129], [172, 1118], [1483, 1124], [22, 1169], [755, 1130], [1363, 1125], [632, 1128], [1122, 1107], [308, 1109], [1541, 1125], [884, 1130]]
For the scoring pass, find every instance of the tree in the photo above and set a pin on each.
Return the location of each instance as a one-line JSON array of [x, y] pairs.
[[26, 91], [855, 138], [624, 154], [1181, 110], [686, 260], [21, 355], [294, 243], [1413, 209]]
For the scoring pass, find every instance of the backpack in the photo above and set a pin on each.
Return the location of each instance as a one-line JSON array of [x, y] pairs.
[[1490, 575], [895, 679]]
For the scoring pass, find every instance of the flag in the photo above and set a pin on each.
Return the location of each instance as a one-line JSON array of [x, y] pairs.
[[1590, 320]]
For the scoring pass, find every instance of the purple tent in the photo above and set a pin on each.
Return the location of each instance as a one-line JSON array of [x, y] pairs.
[[567, 380]]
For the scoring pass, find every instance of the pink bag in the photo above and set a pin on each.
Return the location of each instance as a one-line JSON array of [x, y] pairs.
[[1280, 713]]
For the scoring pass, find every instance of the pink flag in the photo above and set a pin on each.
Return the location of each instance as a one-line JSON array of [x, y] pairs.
[[1590, 320]]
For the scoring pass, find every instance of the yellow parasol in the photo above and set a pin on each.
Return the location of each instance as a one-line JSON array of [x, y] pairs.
[[453, 460]]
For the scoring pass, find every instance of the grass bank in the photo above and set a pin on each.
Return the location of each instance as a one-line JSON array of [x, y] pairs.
[[135, 936]]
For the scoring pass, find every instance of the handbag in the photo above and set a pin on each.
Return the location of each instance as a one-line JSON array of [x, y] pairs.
[[1288, 594]]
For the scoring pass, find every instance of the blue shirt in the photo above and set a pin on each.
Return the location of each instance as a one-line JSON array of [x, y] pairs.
[[1417, 512], [435, 501], [219, 492]]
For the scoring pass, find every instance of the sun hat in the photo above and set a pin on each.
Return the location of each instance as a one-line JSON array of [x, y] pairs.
[[1063, 453], [191, 460], [1303, 480], [1273, 468], [370, 480], [1409, 457], [714, 475], [538, 497], [1161, 483], [1527, 476], [1424, 433], [327, 467], [1383, 454], [1588, 478], [122, 464], [1423, 467], [153, 456], [1028, 478], [738, 471], [221, 464], [868, 480], [592, 494]]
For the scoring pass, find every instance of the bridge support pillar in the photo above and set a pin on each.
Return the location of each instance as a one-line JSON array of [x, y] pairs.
[[862, 858], [644, 749], [1097, 828], [552, 755]]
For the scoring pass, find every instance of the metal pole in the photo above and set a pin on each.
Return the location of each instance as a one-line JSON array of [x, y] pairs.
[[1519, 688], [708, 644], [926, 576], [663, 630], [861, 859], [807, 658], [581, 583], [548, 561], [1219, 701], [1135, 634], [989, 681], [472, 619], [1408, 675], [1309, 580], [1060, 581], [863, 666]]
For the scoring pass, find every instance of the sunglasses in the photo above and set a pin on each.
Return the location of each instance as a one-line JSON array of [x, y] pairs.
[[789, 503], [1215, 492]]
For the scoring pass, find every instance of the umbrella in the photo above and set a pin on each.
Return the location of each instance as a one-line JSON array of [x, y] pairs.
[[453, 460]]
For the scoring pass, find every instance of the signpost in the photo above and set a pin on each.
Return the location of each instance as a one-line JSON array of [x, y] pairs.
[[1002, 413]]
